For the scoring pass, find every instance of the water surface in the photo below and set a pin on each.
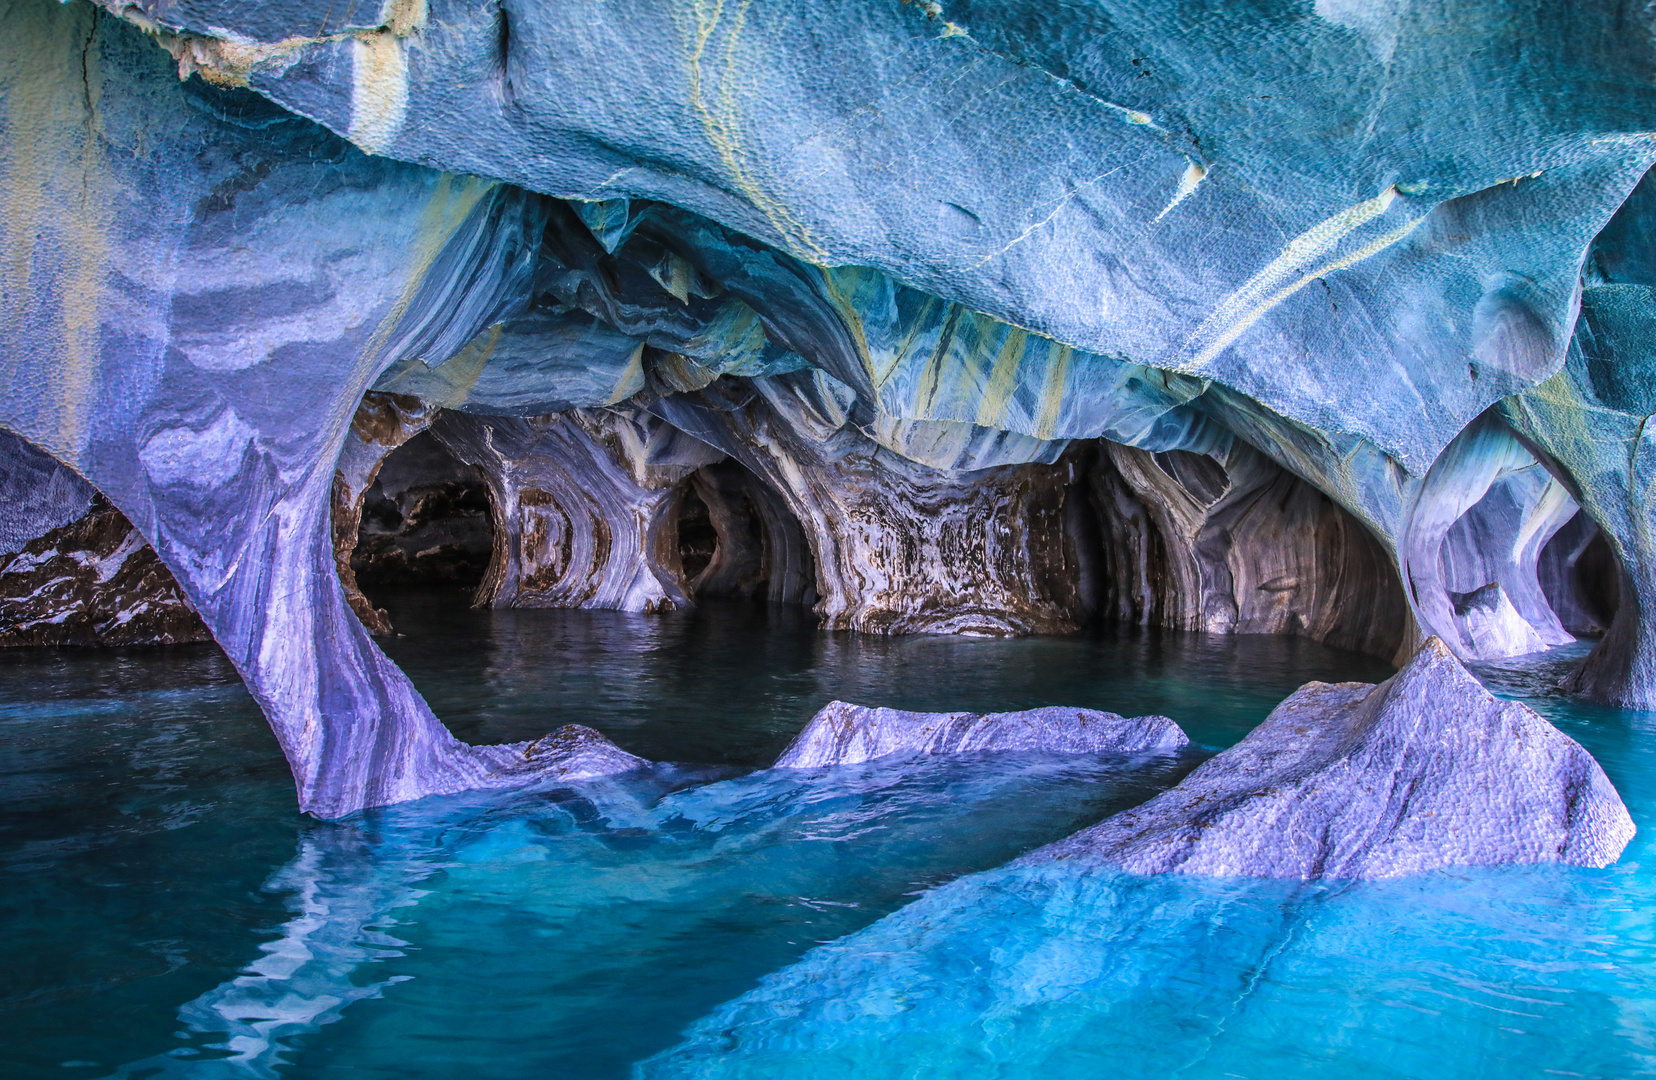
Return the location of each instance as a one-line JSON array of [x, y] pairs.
[[167, 911]]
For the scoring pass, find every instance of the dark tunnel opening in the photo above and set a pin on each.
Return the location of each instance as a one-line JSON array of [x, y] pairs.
[[737, 539], [1580, 578], [425, 523]]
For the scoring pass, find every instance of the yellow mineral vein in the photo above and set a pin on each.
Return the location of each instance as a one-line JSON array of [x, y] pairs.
[[722, 121]]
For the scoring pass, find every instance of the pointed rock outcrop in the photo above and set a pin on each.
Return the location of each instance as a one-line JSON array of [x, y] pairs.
[[577, 752], [1352, 780], [845, 734]]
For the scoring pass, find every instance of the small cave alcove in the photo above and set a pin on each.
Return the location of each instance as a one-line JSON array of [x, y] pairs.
[[1580, 577], [425, 523], [737, 539], [1230, 542]]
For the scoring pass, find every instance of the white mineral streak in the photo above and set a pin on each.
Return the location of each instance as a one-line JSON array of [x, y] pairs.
[[1193, 175], [845, 734], [1318, 251], [1351, 780]]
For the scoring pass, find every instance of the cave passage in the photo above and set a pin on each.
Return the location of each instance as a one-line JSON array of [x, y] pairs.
[[425, 522]]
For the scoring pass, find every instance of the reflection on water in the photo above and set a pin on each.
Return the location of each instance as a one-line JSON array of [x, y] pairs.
[[732, 683], [170, 913]]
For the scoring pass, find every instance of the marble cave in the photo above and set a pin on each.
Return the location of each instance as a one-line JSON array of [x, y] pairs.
[[880, 538]]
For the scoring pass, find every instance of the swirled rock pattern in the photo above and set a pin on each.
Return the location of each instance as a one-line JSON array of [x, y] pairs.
[[896, 260], [1350, 780], [1228, 541], [900, 547], [845, 734], [583, 506]]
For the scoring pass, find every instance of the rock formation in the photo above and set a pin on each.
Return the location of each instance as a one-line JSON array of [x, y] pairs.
[[900, 547], [382, 423], [584, 507], [845, 734], [1228, 541], [73, 570], [1350, 780], [424, 521], [576, 752], [758, 550], [904, 274], [93, 581]]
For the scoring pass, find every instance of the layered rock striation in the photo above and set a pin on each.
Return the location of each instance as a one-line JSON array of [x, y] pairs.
[[845, 734], [904, 265], [1351, 780], [584, 506]]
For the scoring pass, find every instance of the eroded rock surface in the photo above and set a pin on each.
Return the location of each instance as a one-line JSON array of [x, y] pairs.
[[1223, 539], [583, 504], [968, 234], [94, 581], [1351, 780], [576, 752], [900, 547], [845, 734]]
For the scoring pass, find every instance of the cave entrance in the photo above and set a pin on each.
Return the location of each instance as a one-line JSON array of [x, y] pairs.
[[738, 539], [425, 523], [1580, 577], [1228, 541]]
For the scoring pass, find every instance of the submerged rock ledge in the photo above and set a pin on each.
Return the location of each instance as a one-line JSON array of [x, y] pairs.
[[845, 734], [1352, 780]]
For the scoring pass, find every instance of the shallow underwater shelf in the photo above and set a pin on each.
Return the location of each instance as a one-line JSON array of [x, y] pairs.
[[168, 913]]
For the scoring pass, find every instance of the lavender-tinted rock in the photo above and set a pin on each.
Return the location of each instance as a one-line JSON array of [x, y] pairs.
[[1351, 780], [576, 752], [846, 734], [37, 494]]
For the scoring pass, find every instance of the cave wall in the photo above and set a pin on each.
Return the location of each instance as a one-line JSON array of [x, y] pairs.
[[1228, 541], [1579, 576], [584, 505], [93, 582], [425, 521], [758, 550], [899, 547], [896, 298]]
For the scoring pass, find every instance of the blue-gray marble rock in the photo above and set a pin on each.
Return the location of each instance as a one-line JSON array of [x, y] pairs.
[[576, 752], [845, 734], [959, 235], [37, 494], [1350, 780]]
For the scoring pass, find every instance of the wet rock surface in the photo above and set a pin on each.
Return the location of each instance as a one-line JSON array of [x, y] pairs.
[[577, 752], [94, 581], [1351, 780], [845, 734]]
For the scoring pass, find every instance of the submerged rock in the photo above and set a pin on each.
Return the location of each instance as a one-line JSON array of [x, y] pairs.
[[1353, 780], [576, 752], [846, 734]]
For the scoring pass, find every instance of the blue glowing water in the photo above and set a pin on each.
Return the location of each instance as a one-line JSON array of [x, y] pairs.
[[167, 912]]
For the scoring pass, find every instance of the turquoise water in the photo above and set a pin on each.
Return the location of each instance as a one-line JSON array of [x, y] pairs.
[[167, 912]]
